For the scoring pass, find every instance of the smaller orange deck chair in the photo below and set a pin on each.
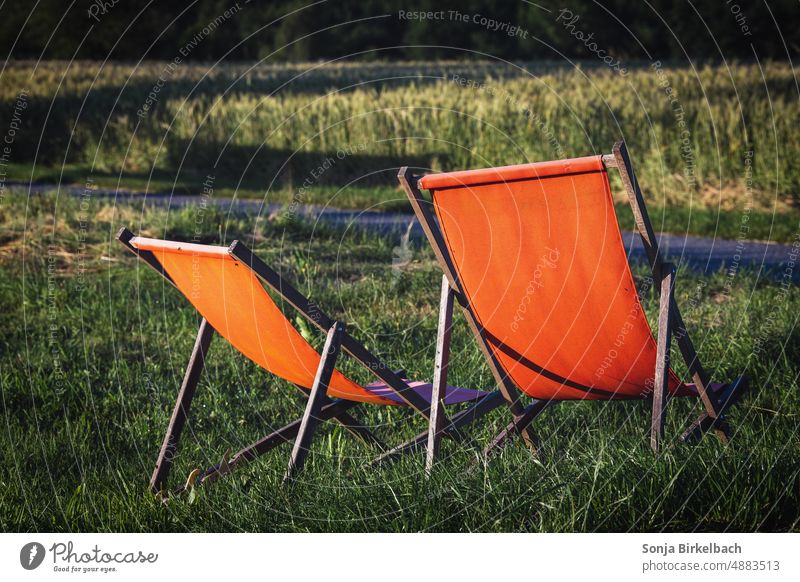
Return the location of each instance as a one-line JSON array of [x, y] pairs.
[[226, 286], [534, 255]]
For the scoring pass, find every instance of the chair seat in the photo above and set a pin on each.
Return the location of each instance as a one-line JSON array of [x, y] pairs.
[[453, 395]]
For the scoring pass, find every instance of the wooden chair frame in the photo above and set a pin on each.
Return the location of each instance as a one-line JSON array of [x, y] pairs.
[[670, 323], [319, 406]]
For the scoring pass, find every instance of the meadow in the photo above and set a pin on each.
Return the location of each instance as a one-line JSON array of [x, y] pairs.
[[95, 344], [716, 138]]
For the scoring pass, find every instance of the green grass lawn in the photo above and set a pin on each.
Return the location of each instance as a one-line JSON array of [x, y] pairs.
[[95, 344]]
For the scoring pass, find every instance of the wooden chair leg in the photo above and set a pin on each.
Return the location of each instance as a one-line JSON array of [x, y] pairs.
[[285, 434], [729, 396], [311, 416], [477, 411], [700, 377], [439, 388], [180, 413], [645, 228], [434, 235], [520, 425], [351, 425], [661, 379]]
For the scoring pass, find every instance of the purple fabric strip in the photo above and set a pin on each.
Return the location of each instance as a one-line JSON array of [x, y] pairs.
[[453, 395]]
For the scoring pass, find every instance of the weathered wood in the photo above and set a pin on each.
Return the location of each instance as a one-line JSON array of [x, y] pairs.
[[645, 228], [431, 229], [698, 373], [434, 235], [442, 361], [316, 398], [520, 423], [638, 207], [124, 236], [169, 447], [478, 410], [661, 378], [729, 396], [609, 161], [314, 314], [274, 439], [378, 367], [350, 424]]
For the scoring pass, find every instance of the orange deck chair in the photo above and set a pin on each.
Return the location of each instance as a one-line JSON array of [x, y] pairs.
[[534, 256], [226, 286]]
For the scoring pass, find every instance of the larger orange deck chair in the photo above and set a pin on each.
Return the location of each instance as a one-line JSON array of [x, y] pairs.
[[227, 286], [534, 255]]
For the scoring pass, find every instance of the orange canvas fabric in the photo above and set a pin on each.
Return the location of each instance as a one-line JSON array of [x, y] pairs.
[[539, 254], [230, 296]]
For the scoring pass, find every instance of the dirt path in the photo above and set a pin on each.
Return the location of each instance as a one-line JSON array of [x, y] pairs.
[[706, 254]]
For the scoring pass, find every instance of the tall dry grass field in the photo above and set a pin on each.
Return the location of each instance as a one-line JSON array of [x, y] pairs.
[[715, 136]]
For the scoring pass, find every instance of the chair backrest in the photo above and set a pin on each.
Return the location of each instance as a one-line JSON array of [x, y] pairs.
[[233, 300], [538, 253]]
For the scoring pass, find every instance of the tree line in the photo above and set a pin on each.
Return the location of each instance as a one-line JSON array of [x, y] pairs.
[[303, 30]]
